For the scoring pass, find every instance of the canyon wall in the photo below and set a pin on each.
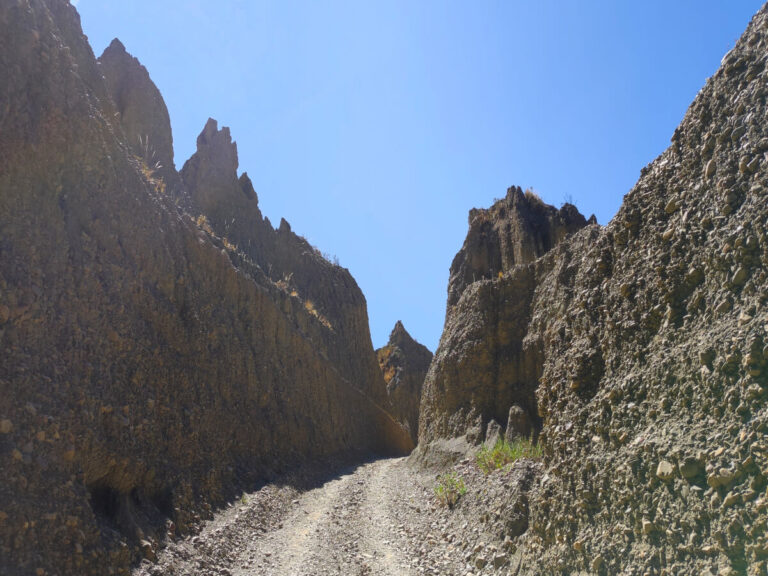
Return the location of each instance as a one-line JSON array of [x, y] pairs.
[[154, 359], [640, 352]]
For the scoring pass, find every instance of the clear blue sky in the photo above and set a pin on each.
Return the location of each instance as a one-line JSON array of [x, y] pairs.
[[373, 127]]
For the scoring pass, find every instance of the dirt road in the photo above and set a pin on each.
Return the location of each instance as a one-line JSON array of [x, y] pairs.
[[342, 527], [373, 519], [378, 518]]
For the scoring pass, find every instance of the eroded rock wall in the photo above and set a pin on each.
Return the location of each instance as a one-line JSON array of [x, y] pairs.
[[141, 112], [404, 364], [651, 334], [486, 363], [150, 365], [327, 291]]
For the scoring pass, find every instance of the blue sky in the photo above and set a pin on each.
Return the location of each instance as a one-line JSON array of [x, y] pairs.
[[374, 127]]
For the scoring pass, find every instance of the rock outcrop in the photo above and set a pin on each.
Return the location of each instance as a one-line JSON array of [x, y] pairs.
[[229, 207], [649, 342], [486, 365], [516, 230], [404, 364], [141, 112], [152, 359]]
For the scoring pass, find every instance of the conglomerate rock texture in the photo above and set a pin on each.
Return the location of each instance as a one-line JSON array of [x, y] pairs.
[[643, 347], [404, 364], [150, 364]]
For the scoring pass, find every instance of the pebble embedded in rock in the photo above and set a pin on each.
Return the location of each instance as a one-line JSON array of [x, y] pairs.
[[690, 468], [648, 527], [671, 206], [665, 470], [740, 276]]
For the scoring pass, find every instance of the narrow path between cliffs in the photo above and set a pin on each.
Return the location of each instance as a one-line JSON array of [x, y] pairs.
[[341, 527], [377, 518]]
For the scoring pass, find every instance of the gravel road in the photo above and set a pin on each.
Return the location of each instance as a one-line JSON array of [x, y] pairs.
[[376, 518]]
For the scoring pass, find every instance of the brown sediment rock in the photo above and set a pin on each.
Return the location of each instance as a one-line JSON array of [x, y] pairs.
[[151, 364], [486, 363], [404, 364], [642, 347]]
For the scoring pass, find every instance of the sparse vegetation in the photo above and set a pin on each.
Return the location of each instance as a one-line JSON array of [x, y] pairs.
[[503, 453], [310, 307], [149, 165], [203, 224], [449, 488], [532, 196]]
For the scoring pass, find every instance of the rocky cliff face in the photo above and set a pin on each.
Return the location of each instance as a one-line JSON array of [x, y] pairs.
[[328, 292], [516, 230], [651, 367], [141, 112], [404, 364], [486, 367], [151, 361]]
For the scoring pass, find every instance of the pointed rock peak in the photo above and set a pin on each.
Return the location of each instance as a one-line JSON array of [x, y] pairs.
[[217, 140], [217, 147], [115, 47], [400, 337], [517, 229], [515, 194], [247, 187], [529, 200], [142, 111], [120, 67], [284, 226], [398, 330], [212, 135], [116, 55], [210, 130]]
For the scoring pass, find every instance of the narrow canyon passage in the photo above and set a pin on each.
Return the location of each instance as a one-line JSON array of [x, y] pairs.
[[378, 518], [342, 527]]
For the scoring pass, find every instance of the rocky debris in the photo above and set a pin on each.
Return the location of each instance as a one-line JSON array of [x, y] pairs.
[[477, 535], [152, 366], [404, 364], [643, 348]]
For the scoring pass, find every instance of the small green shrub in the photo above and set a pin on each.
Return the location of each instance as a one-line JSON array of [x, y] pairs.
[[449, 488], [503, 453]]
